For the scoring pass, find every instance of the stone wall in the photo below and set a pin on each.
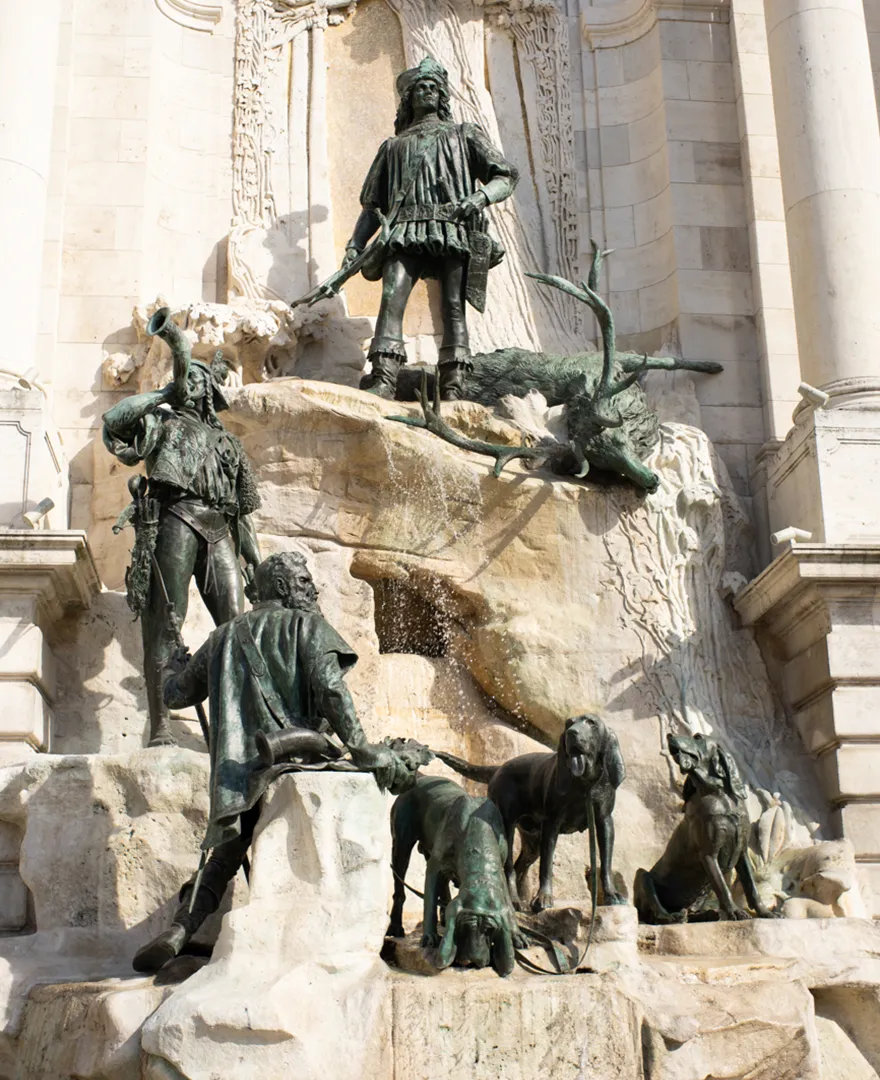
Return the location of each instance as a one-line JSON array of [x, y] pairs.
[[662, 142]]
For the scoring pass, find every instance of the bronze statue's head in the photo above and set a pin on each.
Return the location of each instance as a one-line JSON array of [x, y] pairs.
[[427, 86], [478, 932], [695, 752], [204, 384], [286, 577], [690, 751]]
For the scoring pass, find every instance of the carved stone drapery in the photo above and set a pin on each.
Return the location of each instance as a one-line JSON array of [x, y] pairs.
[[454, 32]]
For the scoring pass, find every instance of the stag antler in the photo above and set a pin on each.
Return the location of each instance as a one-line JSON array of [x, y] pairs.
[[432, 422], [588, 294]]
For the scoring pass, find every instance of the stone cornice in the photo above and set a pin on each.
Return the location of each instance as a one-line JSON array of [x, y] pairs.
[[609, 26], [56, 568], [793, 591]]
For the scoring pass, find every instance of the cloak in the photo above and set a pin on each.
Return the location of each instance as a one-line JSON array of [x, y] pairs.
[[271, 668]]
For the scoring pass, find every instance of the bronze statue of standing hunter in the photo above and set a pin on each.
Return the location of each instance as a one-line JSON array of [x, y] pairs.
[[192, 516], [426, 194], [424, 216]]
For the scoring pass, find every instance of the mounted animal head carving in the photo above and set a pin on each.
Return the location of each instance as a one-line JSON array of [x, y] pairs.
[[587, 751], [478, 933], [705, 757]]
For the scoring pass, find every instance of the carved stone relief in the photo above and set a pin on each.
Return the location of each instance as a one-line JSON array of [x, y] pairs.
[[191, 14], [277, 252]]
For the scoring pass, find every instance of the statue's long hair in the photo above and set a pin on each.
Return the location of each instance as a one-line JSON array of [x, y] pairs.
[[405, 111]]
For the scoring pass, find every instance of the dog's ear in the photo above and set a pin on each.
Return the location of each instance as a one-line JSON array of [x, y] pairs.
[[726, 768], [448, 948], [615, 769], [563, 773], [502, 951]]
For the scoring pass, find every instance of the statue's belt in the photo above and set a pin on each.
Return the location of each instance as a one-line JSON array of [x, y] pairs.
[[212, 525], [433, 212]]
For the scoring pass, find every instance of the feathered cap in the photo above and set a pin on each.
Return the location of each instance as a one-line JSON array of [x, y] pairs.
[[427, 69]]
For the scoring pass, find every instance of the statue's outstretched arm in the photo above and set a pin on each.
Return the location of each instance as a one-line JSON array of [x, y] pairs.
[[335, 704], [188, 685], [123, 417]]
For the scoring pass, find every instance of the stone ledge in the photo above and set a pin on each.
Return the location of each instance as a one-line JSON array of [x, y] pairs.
[[803, 566], [820, 951], [57, 566]]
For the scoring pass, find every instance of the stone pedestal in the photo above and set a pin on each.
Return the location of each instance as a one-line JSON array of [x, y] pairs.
[[295, 986], [818, 603], [824, 477], [43, 576]]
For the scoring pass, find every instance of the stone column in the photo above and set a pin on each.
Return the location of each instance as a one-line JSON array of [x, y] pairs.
[[829, 154], [28, 61]]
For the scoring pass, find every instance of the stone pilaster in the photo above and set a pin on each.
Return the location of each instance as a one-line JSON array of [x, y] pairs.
[[43, 577], [29, 35], [820, 605]]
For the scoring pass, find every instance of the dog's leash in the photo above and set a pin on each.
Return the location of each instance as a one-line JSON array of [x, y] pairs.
[[553, 947]]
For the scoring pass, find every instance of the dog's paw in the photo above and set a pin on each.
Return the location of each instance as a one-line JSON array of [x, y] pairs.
[[612, 897], [766, 913], [542, 901], [395, 929], [430, 941], [738, 915]]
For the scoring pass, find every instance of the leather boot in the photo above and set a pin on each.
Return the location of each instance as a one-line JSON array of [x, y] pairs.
[[453, 377], [382, 380], [171, 942]]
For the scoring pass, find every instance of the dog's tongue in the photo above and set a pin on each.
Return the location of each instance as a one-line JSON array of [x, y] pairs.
[[578, 764]]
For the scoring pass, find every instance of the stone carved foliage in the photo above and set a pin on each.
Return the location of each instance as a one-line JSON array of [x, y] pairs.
[[540, 33], [255, 336]]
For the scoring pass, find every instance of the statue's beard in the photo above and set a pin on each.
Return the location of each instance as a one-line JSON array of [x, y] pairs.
[[304, 599]]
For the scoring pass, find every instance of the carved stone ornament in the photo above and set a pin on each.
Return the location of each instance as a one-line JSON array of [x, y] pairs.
[[191, 14]]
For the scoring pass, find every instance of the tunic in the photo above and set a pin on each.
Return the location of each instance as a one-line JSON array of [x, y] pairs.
[[189, 457], [455, 157], [296, 682]]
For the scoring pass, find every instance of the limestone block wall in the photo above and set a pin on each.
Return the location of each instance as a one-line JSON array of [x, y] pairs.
[[139, 193], [768, 242], [649, 128], [664, 179]]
